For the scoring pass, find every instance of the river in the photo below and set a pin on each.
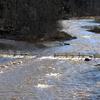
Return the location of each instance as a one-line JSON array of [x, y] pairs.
[[45, 77]]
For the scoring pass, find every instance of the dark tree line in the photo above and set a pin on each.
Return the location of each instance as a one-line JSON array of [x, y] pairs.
[[82, 7], [37, 18], [33, 18]]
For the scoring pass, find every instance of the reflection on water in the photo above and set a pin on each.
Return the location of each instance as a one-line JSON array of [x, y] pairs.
[[43, 86]]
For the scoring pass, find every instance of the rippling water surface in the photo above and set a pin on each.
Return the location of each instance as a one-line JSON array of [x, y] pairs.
[[48, 78]]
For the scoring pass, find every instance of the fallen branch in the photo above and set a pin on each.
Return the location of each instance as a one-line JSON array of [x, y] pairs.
[[77, 55]]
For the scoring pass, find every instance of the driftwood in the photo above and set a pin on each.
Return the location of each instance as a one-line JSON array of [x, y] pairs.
[[16, 55], [76, 55]]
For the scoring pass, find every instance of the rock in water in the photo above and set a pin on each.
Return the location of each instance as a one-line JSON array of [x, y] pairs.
[[87, 59]]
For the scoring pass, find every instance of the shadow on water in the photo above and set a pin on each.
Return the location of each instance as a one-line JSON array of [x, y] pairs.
[[7, 47]]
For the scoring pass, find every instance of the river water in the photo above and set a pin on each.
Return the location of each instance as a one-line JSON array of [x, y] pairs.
[[45, 77]]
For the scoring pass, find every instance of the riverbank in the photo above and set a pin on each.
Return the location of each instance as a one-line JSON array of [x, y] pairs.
[[55, 36]]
